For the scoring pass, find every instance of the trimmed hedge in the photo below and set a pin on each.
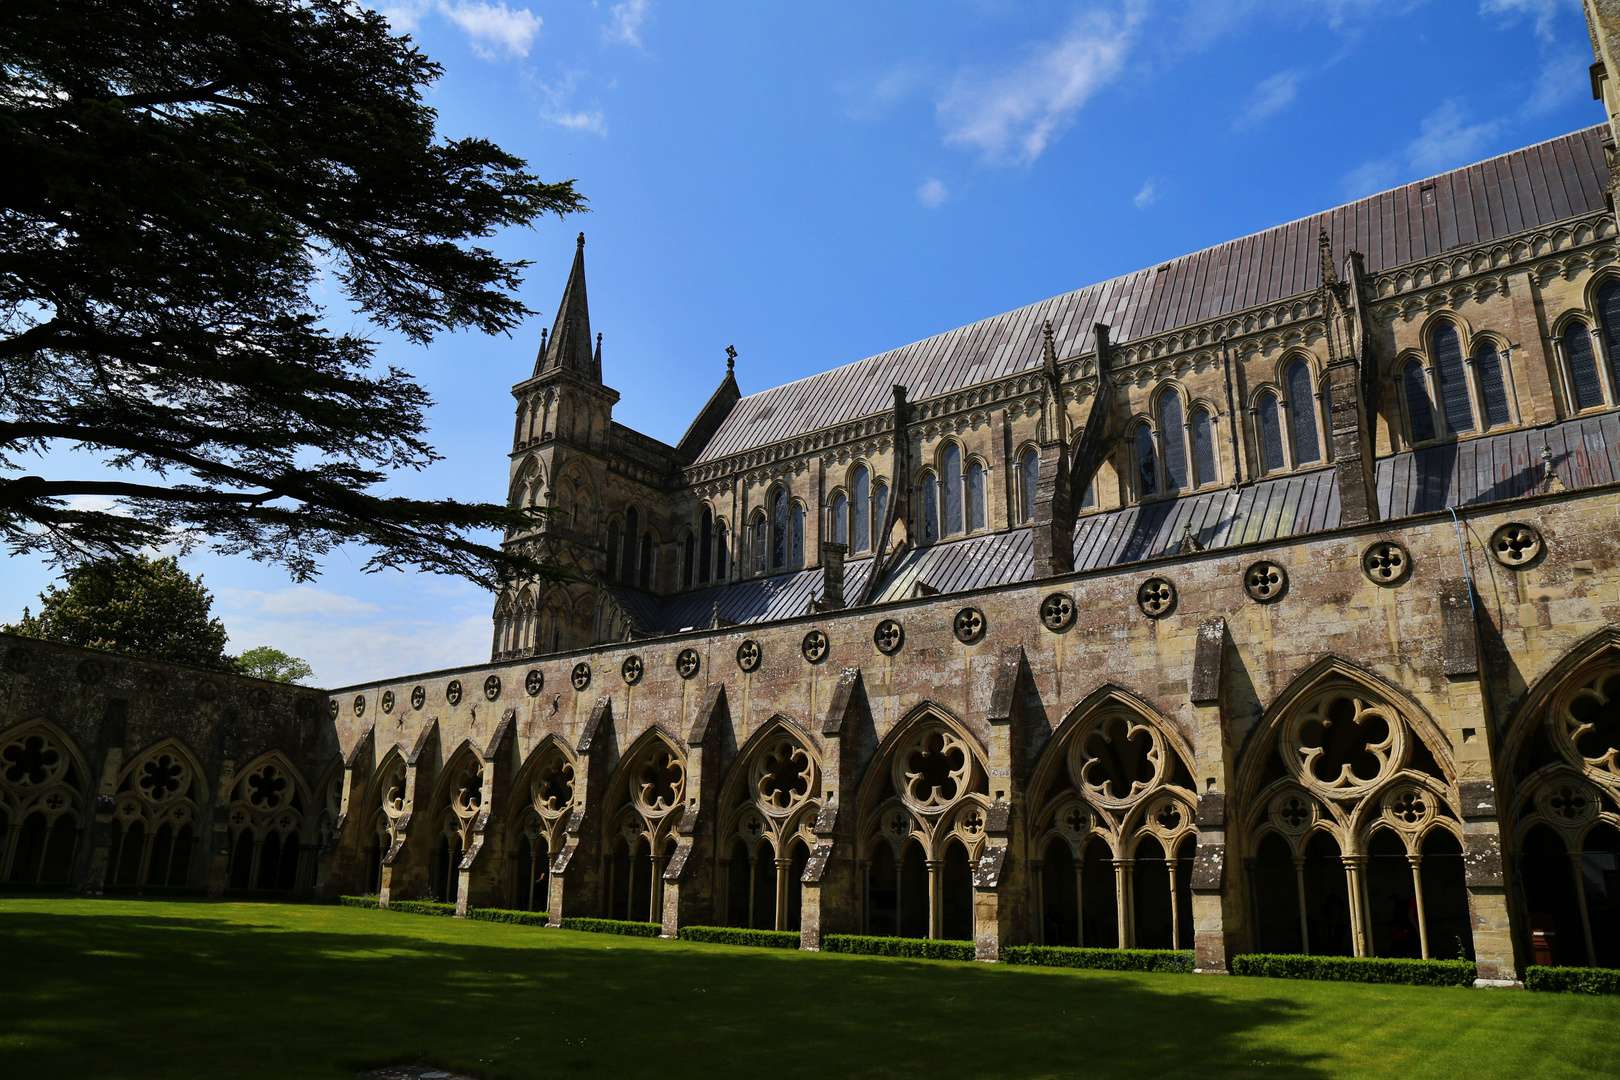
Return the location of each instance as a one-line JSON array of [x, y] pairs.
[[502, 915], [914, 948], [1358, 969], [358, 901], [1572, 980], [1179, 960], [422, 907], [613, 926], [734, 935]]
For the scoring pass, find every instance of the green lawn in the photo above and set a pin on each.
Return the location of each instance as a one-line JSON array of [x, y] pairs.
[[102, 988]]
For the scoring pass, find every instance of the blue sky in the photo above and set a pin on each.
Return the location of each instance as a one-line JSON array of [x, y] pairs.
[[815, 183]]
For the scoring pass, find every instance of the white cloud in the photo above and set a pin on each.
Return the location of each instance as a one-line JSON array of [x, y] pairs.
[[1446, 139], [933, 193], [349, 640], [1271, 97], [1542, 11], [557, 106], [627, 19], [873, 97], [1148, 195], [1562, 79], [492, 26], [1011, 117]]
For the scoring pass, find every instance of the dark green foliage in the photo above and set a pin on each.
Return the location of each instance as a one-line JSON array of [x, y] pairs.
[[613, 926], [358, 901], [135, 605], [915, 948], [1572, 980], [422, 907], [1180, 960], [501, 915], [736, 935], [1358, 969], [181, 177]]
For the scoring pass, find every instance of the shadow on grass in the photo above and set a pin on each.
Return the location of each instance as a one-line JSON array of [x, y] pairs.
[[274, 995]]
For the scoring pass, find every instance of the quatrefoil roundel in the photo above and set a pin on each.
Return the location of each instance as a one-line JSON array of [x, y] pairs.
[[749, 655], [18, 660], [1265, 582], [631, 670], [1156, 597], [207, 690], [1386, 563], [359, 704], [534, 682], [888, 637], [492, 687], [815, 646], [688, 663], [1515, 544], [388, 701], [969, 625], [418, 697], [333, 708], [581, 677], [1057, 612], [89, 672], [452, 693]]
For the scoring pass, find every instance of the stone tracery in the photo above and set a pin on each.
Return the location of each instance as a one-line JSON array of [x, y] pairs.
[[41, 804], [649, 800], [769, 808], [155, 818], [270, 846]]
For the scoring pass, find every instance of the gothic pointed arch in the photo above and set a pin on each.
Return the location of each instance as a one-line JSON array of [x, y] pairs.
[[1113, 823], [1350, 819], [272, 835], [452, 814], [542, 798], [768, 806], [645, 800], [158, 799], [383, 814], [43, 792]]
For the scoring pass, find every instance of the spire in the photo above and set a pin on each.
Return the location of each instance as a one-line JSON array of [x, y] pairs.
[[569, 346]]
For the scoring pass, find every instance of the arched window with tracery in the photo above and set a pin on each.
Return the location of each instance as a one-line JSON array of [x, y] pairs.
[[270, 847], [42, 806], [860, 509], [950, 479], [1491, 373], [768, 814], [759, 539], [1115, 831], [645, 802], [1445, 344], [1566, 766], [459, 796], [545, 797], [1302, 413], [923, 828], [1419, 409], [1585, 383], [1029, 478], [1353, 829], [155, 818]]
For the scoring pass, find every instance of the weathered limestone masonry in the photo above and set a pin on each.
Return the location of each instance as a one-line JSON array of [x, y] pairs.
[[119, 772], [1267, 599]]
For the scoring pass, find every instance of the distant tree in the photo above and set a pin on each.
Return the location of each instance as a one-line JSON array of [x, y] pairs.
[[267, 663], [179, 177], [135, 605]]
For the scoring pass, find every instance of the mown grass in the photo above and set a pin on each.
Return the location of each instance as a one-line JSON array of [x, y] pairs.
[[106, 988]]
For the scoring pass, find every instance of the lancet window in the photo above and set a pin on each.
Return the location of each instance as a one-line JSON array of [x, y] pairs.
[[1028, 480], [1585, 383], [1354, 841], [922, 830], [769, 815], [646, 804], [270, 848], [1115, 833], [41, 805]]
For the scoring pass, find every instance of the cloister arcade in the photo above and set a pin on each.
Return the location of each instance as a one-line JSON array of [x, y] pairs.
[[645, 801], [769, 810]]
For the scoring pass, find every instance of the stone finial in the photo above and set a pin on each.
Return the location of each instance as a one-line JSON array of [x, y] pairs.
[[1189, 542], [731, 357], [1048, 347], [1324, 248], [581, 241]]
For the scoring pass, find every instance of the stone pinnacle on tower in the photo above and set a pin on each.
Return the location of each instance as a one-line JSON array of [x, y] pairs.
[[569, 346]]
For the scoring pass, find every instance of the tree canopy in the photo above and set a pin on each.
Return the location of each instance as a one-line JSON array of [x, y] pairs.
[[264, 662], [135, 605], [179, 178]]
